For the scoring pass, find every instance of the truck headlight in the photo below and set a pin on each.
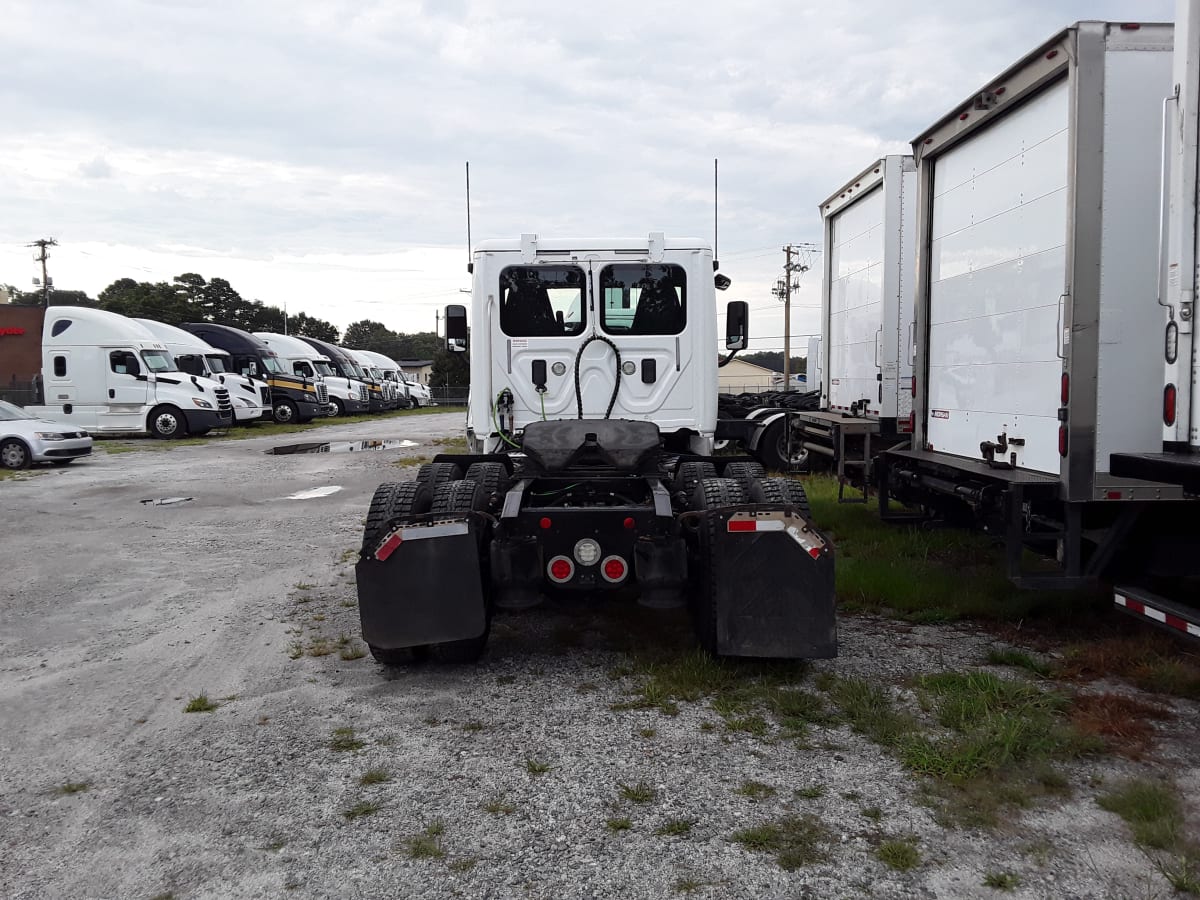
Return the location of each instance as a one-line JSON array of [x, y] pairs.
[[310, 396], [203, 404], [49, 436]]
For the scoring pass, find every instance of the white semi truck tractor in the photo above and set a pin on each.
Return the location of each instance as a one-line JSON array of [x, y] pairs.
[[347, 396], [589, 468]]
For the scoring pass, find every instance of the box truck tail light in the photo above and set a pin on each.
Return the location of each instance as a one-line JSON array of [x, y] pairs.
[[1065, 391], [560, 569], [913, 387], [1062, 440], [912, 422], [614, 569], [1169, 405]]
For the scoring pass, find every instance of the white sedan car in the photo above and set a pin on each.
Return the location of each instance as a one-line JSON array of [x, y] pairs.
[[25, 440]]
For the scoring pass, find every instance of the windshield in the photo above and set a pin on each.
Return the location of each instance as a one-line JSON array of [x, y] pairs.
[[159, 361], [541, 300], [322, 368], [218, 362], [10, 413], [357, 372], [271, 364]]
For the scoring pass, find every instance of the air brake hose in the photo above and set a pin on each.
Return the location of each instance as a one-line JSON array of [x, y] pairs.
[[616, 381]]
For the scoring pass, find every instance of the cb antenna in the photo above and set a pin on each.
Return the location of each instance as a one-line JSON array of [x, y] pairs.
[[716, 254], [470, 264]]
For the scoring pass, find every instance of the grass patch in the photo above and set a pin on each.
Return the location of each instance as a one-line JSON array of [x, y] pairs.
[[72, 787], [536, 766], [675, 828], [473, 727], [466, 864], [637, 793], [686, 884], [755, 790], [200, 703], [648, 732], [344, 740], [361, 808], [812, 792], [427, 844], [870, 709], [1121, 722], [1151, 809], [374, 776], [352, 652], [901, 855], [874, 813], [794, 841], [1001, 881], [620, 823], [1019, 659], [1150, 661], [923, 575], [498, 806]]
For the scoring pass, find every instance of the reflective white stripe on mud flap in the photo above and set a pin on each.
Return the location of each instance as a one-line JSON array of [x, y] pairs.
[[1142, 608], [415, 533]]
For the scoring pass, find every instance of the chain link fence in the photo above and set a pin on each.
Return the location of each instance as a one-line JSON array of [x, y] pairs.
[[22, 393], [449, 396]]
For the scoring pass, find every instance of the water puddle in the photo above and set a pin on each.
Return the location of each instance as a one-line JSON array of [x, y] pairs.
[[314, 493], [165, 501], [340, 447]]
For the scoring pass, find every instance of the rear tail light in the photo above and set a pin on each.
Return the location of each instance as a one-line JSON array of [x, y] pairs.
[[913, 387], [1065, 389], [614, 569], [1169, 404], [560, 570], [1062, 440], [912, 421]]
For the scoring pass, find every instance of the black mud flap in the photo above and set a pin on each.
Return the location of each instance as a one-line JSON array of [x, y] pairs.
[[773, 588], [422, 585]]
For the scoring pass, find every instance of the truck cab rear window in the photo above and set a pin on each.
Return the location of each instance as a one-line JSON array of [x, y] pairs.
[[540, 301], [643, 299]]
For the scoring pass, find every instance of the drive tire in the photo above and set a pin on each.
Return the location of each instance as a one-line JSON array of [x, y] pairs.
[[14, 454], [463, 496], [166, 423], [745, 473], [492, 477], [391, 500], [336, 408], [781, 490], [285, 412], [711, 493], [437, 474], [692, 473], [772, 449]]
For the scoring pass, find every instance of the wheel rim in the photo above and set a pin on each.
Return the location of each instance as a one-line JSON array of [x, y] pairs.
[[166, 423], [283, 413], [795, 457], [13, 455]]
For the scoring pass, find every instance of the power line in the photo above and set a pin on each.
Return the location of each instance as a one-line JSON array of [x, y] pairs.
[[43, 245]]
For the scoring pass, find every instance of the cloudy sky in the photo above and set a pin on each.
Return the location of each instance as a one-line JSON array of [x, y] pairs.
[[312, 152]]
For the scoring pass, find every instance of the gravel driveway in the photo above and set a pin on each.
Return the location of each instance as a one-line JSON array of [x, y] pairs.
[[531, 774]]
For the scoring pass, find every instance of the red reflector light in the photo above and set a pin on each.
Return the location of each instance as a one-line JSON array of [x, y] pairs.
[[561, 569], [815, 552], [1065, 391], [630, 524], [913, 386], [545, 522], [1113, 495], [614, 568], [1052, 54], [1169, 405], [741, 525], [1130, 26], [1062, 440], [963, 117], [999, 91], [912, 421]]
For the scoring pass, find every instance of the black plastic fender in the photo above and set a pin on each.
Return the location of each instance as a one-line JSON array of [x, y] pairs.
[[423, 583], [770, 582]]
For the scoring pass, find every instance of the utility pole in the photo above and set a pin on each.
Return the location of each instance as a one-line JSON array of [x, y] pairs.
[[783, 290], [437, 322], [285, 317], [43, 244]]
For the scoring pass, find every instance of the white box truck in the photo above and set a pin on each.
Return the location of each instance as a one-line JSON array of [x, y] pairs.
[[251, 399], [1038, 217], [347, 396], [864, 356], [108, 374]]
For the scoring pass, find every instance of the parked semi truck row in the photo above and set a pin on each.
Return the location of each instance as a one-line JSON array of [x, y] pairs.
[[347, 396]]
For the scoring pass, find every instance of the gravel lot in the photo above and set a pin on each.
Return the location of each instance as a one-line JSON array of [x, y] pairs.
[[114, 613]]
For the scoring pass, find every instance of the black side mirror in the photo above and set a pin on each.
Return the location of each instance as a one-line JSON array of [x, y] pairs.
[[737, 325], [456, 328], [131, 365], [722, 282]]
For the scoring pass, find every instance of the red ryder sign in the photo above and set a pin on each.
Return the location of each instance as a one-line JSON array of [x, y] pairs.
[[11, 332]]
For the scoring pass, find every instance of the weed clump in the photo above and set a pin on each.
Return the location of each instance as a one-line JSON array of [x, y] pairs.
[[794, 841]]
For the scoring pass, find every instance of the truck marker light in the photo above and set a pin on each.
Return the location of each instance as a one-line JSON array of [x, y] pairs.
[[1171, 351], [1062, 440], [1065, 389], [814, 552], [560, 569], [614, 569], [1052, 54], [545, 523], [913, 387], [1000, 91], [1113, 495], [1130, 26], [630, 523], [1169, 396], [964, 117]]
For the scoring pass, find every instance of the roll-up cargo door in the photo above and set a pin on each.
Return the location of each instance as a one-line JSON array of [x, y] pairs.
[[998, 233], [855, 302]]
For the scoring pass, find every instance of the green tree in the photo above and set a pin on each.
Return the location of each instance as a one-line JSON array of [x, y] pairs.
[[141, 299], [306, 326], [450, 369]]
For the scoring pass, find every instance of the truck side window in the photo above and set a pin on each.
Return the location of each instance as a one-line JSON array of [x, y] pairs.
[[537, 301], [643, 299], [190, 364], [302, 368], [60, 367], [124, 363]]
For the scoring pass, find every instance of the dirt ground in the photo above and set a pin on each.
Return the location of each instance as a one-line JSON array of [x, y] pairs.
[[515, 777]]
